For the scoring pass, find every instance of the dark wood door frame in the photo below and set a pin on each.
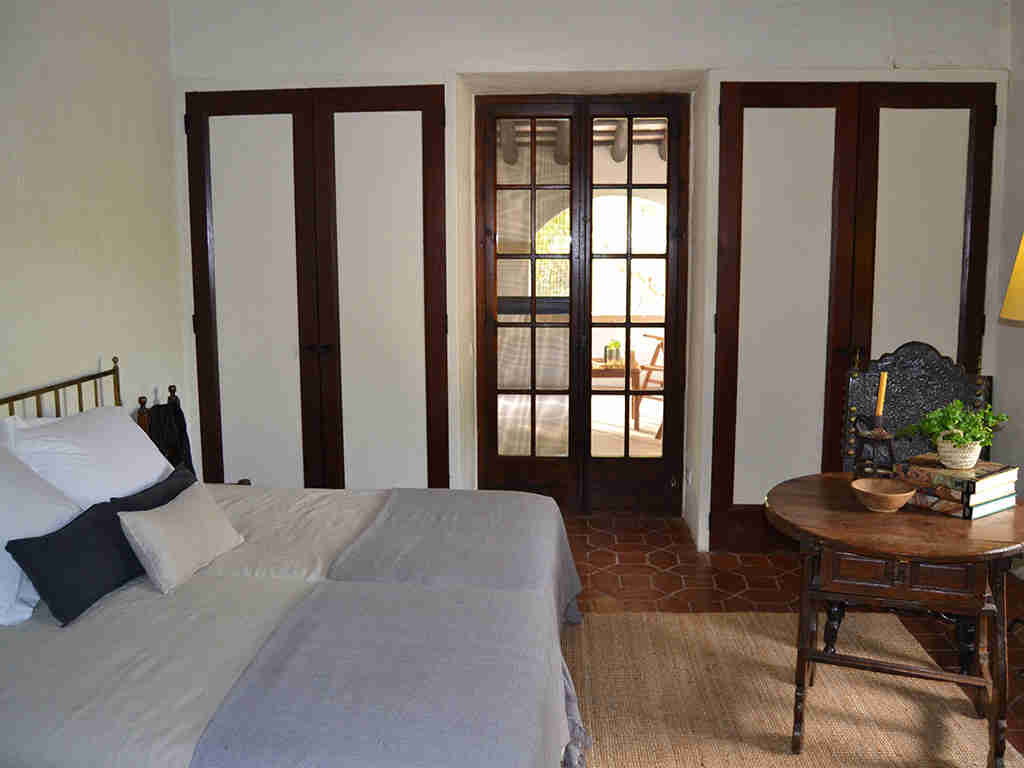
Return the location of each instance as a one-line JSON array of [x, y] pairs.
[[316, 264], [851, 280], [545, 474]]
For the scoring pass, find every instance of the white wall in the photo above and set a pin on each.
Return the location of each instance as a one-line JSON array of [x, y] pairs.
[[89, 263], [216, 44], [1008, 445]]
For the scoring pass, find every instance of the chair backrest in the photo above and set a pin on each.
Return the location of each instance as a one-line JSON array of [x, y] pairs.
[[921, 379]]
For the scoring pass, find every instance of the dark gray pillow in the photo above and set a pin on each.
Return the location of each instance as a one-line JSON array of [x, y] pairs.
[[76, 565]]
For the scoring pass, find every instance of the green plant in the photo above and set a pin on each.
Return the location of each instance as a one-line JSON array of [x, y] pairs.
[[958, 424], [614, 344]]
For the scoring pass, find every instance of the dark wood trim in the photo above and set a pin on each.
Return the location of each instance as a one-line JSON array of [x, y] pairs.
[[204, 319], [328, 329], [316, 246], [307, 273]]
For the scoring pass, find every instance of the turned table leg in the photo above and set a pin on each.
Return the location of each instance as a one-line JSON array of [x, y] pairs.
[[803, 648], [997, 648]]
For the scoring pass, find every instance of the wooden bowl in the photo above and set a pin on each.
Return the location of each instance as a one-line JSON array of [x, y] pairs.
[[882, 494]]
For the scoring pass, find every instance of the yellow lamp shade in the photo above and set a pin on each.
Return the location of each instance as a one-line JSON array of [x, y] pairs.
[[1013, 304]]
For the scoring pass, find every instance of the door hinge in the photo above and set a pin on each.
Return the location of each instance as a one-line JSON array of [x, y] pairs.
[[715, 325], [188, 122], [195, 324]]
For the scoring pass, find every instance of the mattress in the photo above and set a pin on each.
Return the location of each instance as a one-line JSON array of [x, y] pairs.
[[138, 678]]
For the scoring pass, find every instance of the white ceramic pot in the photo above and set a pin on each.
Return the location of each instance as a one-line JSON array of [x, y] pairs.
[[957, 457]]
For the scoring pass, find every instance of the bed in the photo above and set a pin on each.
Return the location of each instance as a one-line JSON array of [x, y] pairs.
[[383, 629]]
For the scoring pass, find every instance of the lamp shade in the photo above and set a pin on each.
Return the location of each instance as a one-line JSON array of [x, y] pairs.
[[1013, 304]]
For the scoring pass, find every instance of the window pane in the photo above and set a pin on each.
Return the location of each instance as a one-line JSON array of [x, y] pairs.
[[650, 220], [513, 425], [647, 291], [553, 290], [513, 152], [553, 149], [513, 358], [552, 358], [513, 290], [645, 430], [610, 150], [513, 221], [552, 425], [607, 427], [609, 221], [554, 229], [607, 358], [648, 348], [608, 289], [650, 150]]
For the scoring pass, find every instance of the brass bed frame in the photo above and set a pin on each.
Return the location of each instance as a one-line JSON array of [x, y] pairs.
[[57, 389], [79, 384]]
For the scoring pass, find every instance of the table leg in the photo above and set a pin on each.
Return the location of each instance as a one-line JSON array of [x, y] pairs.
[[812, 667], [803, 647], [997, 645]]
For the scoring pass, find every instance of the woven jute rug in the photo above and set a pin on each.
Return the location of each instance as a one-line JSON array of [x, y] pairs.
[[709, 690]]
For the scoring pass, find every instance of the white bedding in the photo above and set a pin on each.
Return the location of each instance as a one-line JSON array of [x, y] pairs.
[[292, 533], [158, 666]]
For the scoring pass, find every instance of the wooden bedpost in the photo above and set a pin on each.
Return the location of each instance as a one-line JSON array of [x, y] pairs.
[[117, 382], [172, 397], [142, 416]]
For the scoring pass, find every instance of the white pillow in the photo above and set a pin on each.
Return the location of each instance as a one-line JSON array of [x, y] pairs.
[[174, 541], [90, 456], [29, 506], [8, 425]]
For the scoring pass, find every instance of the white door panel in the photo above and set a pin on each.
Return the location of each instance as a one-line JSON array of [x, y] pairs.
[[379, 177]]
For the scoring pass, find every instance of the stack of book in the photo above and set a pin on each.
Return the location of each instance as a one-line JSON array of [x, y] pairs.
[[969, 493]]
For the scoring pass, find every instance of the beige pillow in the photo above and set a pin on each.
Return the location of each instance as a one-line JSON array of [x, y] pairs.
[[174, 541]]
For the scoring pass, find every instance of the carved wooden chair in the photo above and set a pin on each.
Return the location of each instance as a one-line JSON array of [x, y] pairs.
[[920, 380]]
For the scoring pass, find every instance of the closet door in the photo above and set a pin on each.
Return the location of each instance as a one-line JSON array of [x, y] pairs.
[[381, 254], [925, 171], [784, 282], [250, 206], [319, 276]]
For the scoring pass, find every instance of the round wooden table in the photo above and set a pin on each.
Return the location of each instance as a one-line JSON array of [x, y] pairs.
[[912, 561]]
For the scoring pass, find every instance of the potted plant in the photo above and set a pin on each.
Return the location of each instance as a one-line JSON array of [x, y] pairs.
[[959, 432], [613, 351]]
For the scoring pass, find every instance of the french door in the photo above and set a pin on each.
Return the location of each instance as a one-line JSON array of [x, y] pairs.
[[318, 256], [581, 298], [853, 217]]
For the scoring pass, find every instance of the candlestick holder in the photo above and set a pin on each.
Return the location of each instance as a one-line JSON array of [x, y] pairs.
[[875, 456]]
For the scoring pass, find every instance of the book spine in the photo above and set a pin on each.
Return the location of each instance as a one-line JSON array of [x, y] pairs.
[[991, 507]]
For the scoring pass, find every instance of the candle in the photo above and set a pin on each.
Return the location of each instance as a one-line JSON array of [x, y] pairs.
[[882, 381]]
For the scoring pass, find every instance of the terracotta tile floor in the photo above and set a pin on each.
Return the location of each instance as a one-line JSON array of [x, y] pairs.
[[652, 564]]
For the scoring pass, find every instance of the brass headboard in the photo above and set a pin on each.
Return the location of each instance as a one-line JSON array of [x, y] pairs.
[[56, 389]]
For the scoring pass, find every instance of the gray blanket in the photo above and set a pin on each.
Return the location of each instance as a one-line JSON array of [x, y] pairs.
[[376, 675], [492, 539]]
